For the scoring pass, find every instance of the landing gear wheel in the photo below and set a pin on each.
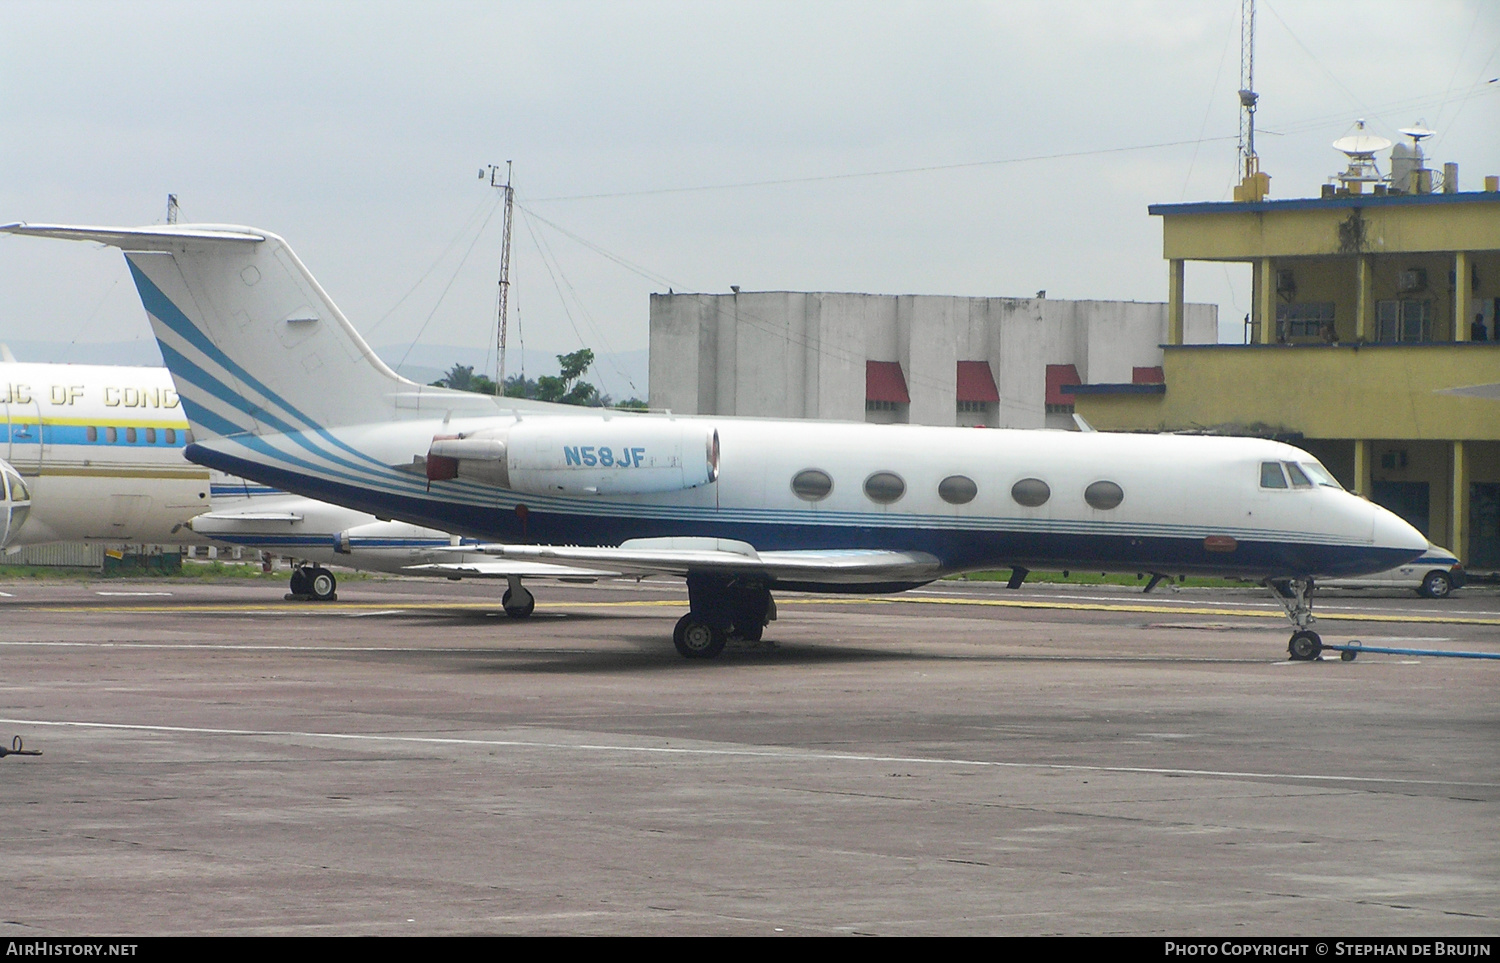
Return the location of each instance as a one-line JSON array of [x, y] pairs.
[[1305, 646], [522, 608], [299, 581], [696, 638], [749, 633], [1436, 585], [321, 584]]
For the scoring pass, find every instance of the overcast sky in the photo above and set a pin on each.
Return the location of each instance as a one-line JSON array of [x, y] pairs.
[[357, 130]]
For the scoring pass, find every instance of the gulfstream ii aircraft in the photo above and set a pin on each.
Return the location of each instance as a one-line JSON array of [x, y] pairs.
[[279, 388]]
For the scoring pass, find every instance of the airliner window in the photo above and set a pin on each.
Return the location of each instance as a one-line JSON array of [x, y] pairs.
[[812, 485], [130, 435], [189, 436], [92, 433], [171, 436], [150, 436], [1271, 476], [1030, 492], [111, 435], [957, 490], [1299, 480], [885, 487], [1320, 475], [1104, 494]]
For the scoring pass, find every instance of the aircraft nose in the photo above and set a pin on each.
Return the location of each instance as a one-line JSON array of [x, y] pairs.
[[1391, 531]]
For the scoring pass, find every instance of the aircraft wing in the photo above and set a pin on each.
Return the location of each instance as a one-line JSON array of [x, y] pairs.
[[506, 567], [679, 556]]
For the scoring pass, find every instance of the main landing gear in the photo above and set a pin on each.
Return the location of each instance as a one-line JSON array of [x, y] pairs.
[[1295, 596], [722, 607], [314, 583], [519, 603]]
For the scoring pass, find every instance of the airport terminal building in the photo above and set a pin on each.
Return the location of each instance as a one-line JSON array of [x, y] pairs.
[[909, 359]]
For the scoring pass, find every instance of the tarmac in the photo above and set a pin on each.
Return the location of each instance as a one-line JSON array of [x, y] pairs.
[[961, 759]]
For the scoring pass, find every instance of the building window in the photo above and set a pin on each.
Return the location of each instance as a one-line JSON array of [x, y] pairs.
[[872, 405], [973, 408], [1403, 321], [1314, 320]]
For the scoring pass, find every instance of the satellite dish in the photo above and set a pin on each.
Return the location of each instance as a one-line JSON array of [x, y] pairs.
[[1418, 133], [1361, 145]]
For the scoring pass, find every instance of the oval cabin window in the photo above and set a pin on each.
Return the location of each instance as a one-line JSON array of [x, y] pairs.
[[1104, 494], [812, 485], [957, 490], [1030, 492], [884, 487]]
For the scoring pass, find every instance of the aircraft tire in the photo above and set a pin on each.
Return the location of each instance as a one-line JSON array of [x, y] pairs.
[[1305, 646], [519, 611], [299, 582], [321, 584], [697, 638]]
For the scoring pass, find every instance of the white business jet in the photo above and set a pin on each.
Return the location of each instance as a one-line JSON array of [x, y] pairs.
[[280, 388]]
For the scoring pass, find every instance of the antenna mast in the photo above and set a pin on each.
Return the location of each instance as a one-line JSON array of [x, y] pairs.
[[510, 195], [1254, 185]]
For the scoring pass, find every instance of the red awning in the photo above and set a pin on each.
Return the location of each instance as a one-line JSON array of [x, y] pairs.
[[1057, 376], [1147, 376], [975, 382], [884, 382]]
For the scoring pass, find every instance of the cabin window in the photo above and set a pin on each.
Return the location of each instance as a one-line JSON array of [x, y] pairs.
[[130, 436], [1299, 479], [809, 485], [188, 435], [171, 436], [150, 436], [1271, 476], [1320, 475], [91, 433], [1030, 492], [957, 490], [885, 487], [111, 435], [1104, 495]]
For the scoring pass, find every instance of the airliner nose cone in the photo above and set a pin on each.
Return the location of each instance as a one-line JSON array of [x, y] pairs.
[[1393, 532]]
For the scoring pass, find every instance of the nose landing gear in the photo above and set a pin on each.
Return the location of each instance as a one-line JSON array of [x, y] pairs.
[[1295, 596]]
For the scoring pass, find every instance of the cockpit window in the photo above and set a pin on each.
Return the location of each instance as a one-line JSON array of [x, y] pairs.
[[1299, 480], [1271, 476], [1320, 475]]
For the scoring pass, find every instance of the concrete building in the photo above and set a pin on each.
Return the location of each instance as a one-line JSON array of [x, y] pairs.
[[1368, 310], [918, 359]]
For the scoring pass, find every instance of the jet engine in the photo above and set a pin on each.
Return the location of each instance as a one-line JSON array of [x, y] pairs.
[[15, 502], [627, 455]]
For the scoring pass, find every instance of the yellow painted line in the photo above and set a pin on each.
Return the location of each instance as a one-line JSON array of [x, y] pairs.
[[335, 608], [108, 421], [1169, 610]]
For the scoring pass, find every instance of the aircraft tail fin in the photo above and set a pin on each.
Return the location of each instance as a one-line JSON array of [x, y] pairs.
[[254, 344]]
